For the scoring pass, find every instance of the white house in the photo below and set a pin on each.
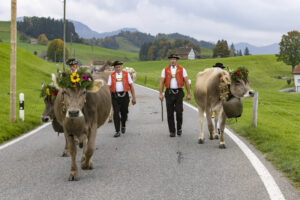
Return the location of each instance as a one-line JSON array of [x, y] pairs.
[[296, 73], [191, 55]]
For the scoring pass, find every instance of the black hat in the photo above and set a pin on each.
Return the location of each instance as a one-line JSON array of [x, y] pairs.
[[220, 65], [72, 61], [174, 56], [117, 63]]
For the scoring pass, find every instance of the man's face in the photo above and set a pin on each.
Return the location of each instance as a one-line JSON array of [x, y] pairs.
[[173, 61], [73, 68], [118, 68]]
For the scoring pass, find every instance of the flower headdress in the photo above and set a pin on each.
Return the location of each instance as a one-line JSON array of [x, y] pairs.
[[79, 79], [49, 91], [240, 73]]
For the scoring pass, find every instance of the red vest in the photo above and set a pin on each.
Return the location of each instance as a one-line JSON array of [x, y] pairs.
[[125, 81], [178, 76]]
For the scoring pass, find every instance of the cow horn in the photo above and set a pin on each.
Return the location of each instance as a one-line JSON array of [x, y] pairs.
[[54, 81]]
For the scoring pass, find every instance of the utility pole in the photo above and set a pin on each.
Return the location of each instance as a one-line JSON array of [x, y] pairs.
[[64, 58], [13, 62], [71, 45]]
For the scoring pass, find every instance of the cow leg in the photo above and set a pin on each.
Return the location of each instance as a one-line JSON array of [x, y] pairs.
[[201, 121], [87, 163], [84, 142], [216, 136], [66, 150], [222, 127], [73, 151], [209, 123]]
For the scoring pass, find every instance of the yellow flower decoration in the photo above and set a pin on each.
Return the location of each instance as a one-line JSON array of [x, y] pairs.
[[48, 91], [75, 77]]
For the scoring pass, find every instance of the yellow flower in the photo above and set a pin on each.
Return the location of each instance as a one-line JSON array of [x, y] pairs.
[[75, 77], [48, 91]]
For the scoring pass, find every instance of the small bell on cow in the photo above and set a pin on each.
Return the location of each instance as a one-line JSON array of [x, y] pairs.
[[233, 108]]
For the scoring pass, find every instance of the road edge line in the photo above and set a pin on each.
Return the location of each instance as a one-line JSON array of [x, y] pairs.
[[18, 139]]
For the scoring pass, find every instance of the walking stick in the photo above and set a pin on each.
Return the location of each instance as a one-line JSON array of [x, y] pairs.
[[162, 111]]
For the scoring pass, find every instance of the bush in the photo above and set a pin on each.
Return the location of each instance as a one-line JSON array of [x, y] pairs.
[[289, 81], [42, 40]]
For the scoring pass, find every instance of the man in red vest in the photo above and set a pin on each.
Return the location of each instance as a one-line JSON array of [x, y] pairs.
[[120, 83], [174, 77]]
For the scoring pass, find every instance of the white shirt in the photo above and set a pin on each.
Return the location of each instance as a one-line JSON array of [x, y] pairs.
[[173, 83], [119, 84]]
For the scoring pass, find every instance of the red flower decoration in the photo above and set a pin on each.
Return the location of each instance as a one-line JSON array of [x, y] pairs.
[[238, 73], [55, 92]]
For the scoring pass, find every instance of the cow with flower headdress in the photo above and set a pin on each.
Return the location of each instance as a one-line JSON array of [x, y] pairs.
[[81, 107], [220, 91]]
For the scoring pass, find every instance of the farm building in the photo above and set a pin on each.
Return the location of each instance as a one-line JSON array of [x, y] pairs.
[[187, 53], [296, 73]]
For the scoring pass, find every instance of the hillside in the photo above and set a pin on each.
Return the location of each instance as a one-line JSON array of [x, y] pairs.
[[31, 72], [277, 134], [83, 52]]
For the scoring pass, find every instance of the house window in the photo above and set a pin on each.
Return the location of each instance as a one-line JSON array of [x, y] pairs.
[[298, 81]]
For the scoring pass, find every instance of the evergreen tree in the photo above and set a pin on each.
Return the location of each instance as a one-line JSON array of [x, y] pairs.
[[221, 49], [232, 50], [246, 52]]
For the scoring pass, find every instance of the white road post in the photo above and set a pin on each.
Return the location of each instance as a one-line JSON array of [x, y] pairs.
[[21, 106]]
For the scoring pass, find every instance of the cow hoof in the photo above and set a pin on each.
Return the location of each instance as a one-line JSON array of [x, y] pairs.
[[80, 145], [109, 121], [82, 158], [64, 154], [200, 141], [73, 178], [85, 166], [222, 146], [216, 137]]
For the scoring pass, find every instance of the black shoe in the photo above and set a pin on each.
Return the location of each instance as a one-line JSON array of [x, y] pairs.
[[172, 134], [179, 132], [117, 134], [123, 129]]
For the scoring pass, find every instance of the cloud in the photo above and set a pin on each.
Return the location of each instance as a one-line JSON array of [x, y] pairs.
[[259, 22]]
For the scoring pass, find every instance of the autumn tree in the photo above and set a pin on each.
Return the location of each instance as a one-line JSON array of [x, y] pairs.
[[42, 39], [55, 50], [290, 49]]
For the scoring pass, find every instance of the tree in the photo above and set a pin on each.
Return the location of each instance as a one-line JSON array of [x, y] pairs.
[[246, 52], [42, 39], [232, 50], [290, 49], [55, 50], [221, 49], [24, 37]]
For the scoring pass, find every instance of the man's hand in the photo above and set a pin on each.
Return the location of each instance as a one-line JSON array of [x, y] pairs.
[[161, 97], [133, 101], [188, 97]]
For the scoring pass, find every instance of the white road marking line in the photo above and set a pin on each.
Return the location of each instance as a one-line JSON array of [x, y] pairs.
[[14, 141], [263, 173]]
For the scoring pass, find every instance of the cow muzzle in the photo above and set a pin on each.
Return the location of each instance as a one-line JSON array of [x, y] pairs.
[[45, 118], [250, 93], [74, 113]]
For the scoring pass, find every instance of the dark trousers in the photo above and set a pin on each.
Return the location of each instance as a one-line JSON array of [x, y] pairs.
[[120, 106], [174, 103]]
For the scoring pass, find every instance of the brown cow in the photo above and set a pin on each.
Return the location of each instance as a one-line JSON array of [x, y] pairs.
[[81, 113], [207, 96]]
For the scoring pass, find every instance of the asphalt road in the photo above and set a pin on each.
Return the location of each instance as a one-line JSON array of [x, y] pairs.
[[144, 163]]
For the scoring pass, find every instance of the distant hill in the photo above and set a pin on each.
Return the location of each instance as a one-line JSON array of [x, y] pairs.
[[175, 36], [85, 32], [255, 50]]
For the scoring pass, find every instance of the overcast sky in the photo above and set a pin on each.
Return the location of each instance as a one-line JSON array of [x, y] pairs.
[[259, 22]]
